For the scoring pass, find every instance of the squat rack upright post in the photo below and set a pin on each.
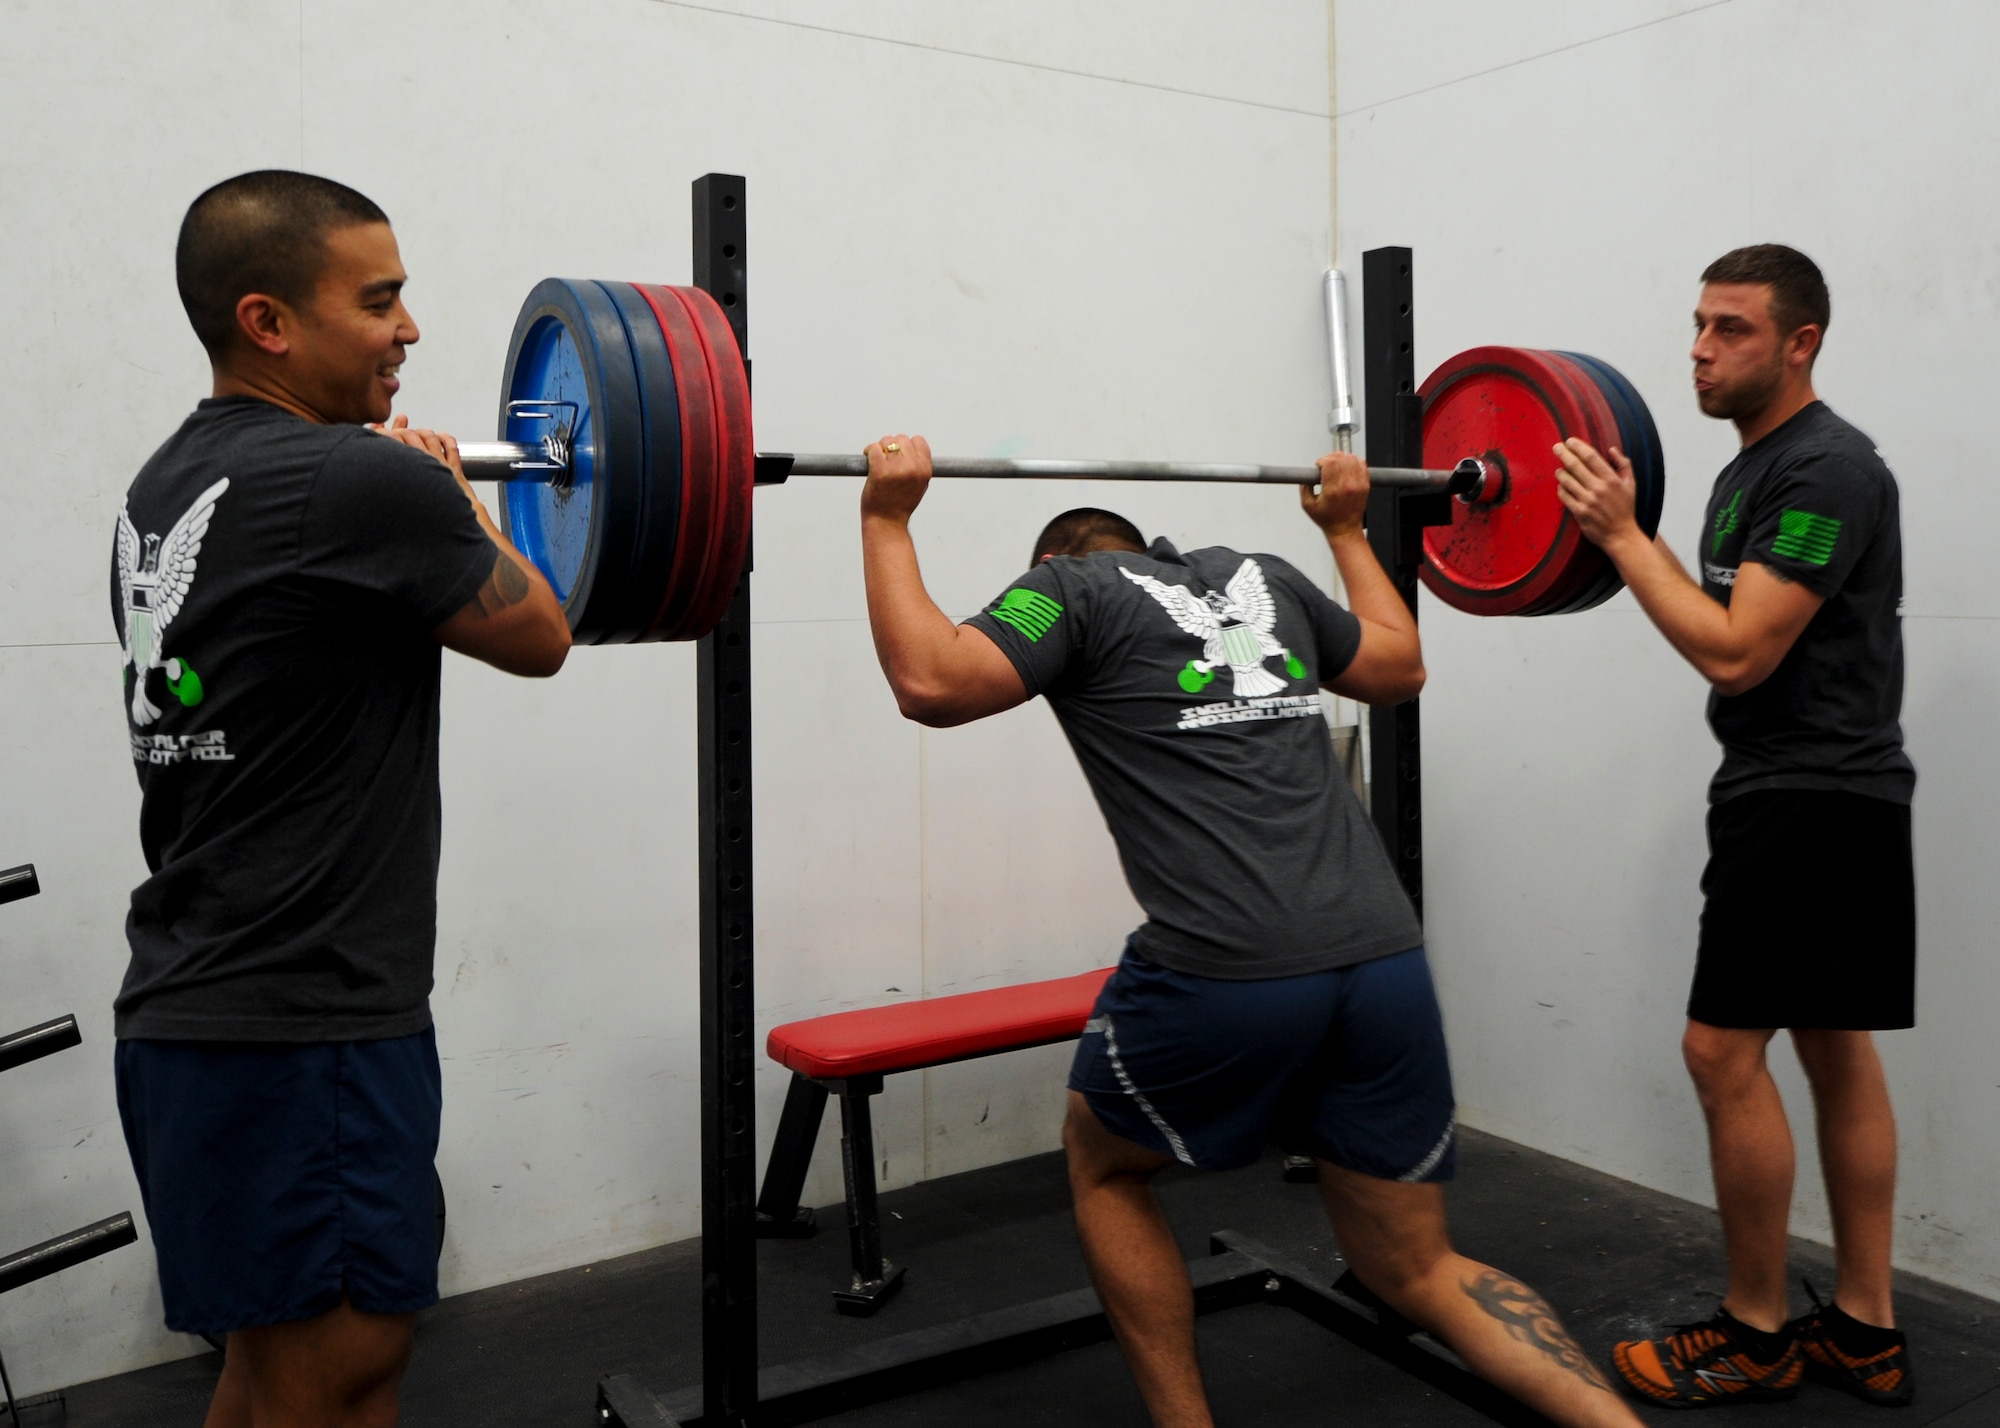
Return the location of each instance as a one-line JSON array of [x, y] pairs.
[[1396, 519], [728, 907], [733, 1392]]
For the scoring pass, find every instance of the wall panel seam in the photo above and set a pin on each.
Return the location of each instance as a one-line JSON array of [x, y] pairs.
[[996, 59], [1525, 59]]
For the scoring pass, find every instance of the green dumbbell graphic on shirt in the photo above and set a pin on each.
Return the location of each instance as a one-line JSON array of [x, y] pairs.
[[1196, 677], [183, 683]]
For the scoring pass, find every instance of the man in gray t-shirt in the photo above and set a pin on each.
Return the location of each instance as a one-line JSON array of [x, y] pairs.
[[1278, 985], [1189, 687]]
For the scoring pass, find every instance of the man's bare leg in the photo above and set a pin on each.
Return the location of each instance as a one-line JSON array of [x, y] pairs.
[[1394, 1236], [230, 1405], [1135, 1265], [1857, 1154], [1750, 1150], [343, 1369]]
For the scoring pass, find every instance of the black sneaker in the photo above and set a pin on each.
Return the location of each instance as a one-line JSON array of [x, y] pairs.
[[1882, 1377]]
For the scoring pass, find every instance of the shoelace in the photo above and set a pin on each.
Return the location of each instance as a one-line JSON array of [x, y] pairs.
[[1694, 1344]]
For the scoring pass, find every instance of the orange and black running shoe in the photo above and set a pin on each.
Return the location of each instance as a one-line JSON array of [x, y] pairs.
[[1881, 1376], [1704, 1365]]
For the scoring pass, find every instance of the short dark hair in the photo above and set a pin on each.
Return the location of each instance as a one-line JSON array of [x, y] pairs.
[[1085, 529], [1798, 289], [261, 232]]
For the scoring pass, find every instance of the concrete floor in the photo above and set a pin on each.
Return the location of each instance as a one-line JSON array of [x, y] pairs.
[[1615, 1260]]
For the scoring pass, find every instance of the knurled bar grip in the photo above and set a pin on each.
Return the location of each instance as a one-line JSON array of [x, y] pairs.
[[50, 1256], [34, 1042]]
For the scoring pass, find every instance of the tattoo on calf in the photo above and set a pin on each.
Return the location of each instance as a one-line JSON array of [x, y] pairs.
[[507, 585], [1529, 1320]]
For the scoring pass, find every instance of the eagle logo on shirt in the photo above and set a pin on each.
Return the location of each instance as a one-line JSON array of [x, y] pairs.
[[1234, 625], [154, 577]]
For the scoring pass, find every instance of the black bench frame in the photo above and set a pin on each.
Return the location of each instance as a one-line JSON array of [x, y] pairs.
[[779, 1214]]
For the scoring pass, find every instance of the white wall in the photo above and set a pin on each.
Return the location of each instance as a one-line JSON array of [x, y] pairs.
[[1564, 170], [1034, 228]]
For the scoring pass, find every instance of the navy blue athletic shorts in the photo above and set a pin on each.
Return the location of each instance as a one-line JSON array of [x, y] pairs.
[[278, 1177], [1347, 1065]]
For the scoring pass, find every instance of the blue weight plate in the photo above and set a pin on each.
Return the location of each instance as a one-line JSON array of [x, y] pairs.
[[1605, 581], [1640, 440], [570, 345], [653, 534]]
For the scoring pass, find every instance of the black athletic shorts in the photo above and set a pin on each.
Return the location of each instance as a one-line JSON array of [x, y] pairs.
[[1811, 914], [279, 1178]]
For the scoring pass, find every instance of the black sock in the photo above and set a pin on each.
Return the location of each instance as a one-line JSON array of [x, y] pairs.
[[1762, 1348], [1854, 1337]]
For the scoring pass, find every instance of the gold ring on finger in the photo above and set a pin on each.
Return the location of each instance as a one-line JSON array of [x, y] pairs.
[[892, 446]]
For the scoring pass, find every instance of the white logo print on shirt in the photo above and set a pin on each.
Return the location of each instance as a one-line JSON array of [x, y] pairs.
[[154, 584], [1235, 626]]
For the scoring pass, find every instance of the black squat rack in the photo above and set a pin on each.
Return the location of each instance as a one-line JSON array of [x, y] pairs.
[[39, 1261], [736, 1391]]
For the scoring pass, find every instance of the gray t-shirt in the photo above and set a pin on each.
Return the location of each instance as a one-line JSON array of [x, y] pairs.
[[274, 584], [1188, 687], [1814, 502]]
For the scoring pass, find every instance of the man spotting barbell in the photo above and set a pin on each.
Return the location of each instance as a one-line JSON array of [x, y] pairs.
[[282, 580], [1810, 914], [1279, 982]]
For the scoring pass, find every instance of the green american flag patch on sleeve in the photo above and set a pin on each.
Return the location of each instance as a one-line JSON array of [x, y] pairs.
[[1029, 611], [1805, 536]]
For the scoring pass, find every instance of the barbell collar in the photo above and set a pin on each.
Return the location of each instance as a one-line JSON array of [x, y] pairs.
[[544, 460]]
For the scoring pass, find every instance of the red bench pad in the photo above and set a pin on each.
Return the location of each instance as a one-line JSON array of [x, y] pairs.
[[911, 1035]]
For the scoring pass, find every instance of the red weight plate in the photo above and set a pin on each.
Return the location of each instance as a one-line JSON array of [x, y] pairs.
[[735, 464], [698, 509], [704, 556], [1508, 406]]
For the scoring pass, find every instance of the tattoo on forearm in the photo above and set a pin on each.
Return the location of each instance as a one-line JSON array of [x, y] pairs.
[[1529, 1320], [507, 585]]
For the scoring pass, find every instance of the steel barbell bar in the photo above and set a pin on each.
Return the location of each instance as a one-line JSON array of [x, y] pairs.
[[548, 460]]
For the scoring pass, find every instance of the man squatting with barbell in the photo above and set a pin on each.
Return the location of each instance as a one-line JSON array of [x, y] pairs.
[[1279, 982], [1809, 922], [282, 582]]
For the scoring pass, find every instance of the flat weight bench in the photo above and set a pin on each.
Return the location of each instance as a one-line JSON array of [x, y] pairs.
[[847, 1055]]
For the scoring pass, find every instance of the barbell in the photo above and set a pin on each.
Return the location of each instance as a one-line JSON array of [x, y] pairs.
[[627, 464]]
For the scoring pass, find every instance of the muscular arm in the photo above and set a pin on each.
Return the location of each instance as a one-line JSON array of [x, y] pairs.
[[942, 674], [1388, 668], [1735, 647], [514, 621]]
